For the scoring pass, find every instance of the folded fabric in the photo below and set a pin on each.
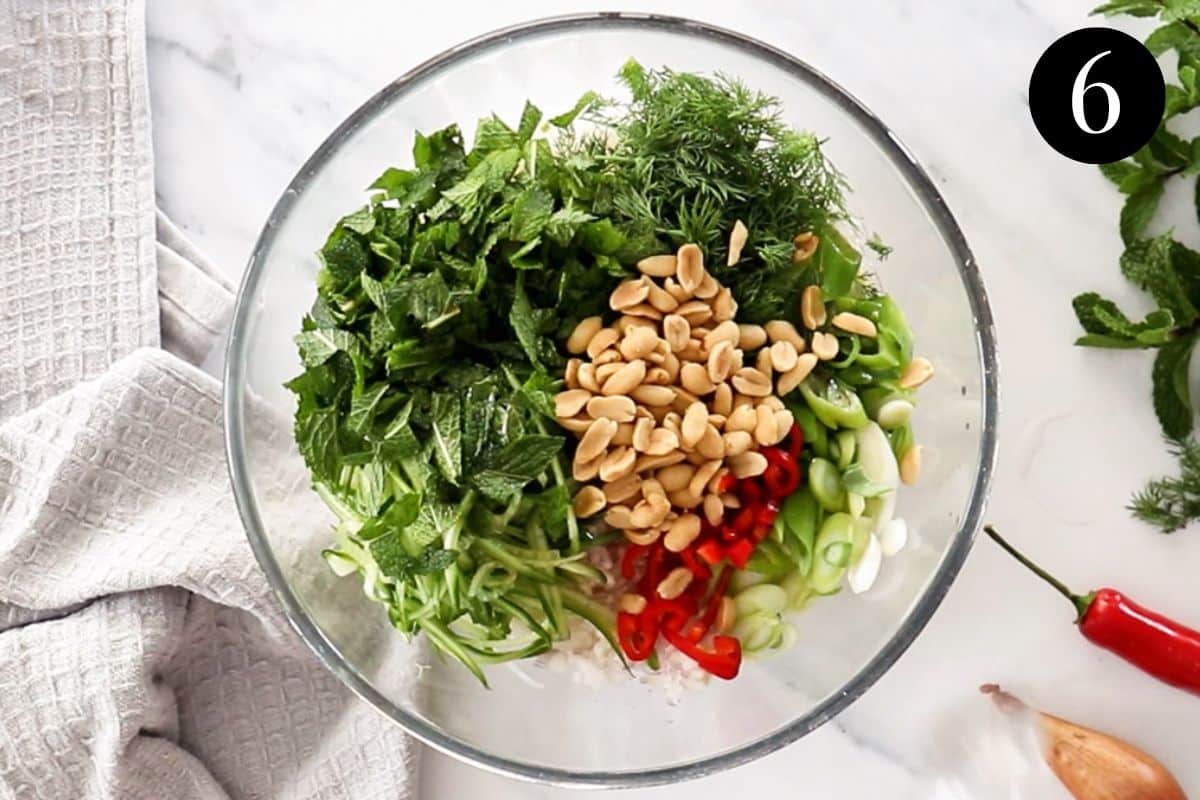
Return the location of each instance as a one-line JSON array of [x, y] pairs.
[[142, 654]]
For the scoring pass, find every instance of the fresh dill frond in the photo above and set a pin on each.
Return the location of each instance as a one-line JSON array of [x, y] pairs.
[[695, 153], [1171, 503]]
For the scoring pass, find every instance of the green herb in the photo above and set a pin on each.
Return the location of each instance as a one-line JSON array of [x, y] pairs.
[[1166, 270], [694, 155], [430, 362], [1172, 503]]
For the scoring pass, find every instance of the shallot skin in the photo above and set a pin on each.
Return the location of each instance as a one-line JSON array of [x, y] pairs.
[[1093, 765]]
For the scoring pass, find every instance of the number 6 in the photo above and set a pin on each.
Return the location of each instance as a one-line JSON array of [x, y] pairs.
[[1080, 88]]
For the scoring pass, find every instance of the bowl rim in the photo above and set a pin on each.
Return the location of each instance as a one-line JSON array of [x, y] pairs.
[[922, 609]]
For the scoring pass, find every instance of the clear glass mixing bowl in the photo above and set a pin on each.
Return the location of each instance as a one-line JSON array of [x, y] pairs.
[[535, 724]]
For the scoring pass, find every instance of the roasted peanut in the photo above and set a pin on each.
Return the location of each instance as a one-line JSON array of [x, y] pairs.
[[714, 509], [824, 345], [661, 299], [750, 381], [653, 395], [720, 362], [689, 267], [783, 356], [675, 584], [570, 402], [616, 408], [675, 477], [692, 427], [748, 465], [642, 429], [596, 440], [742, 418], [854, 323], [657, 266], [751, 337], [916, 373], [694, 378], [736, 443], [722, 399], [676, 331], [707, 288], [737, 240], [683, 532], [796, 375], [704, 472], [806, 244], [577, 342], [647, 462], [626, 379], [629, 293], [662, 442], [765, 431], [812, 308], [588, 501], [638, 343], [624, 435], [724, 307], [633, 603], [620, 490], [779, 330], [617, 464], [710, 444]]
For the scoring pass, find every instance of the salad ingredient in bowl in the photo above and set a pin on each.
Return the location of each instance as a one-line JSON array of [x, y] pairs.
[[632, 328]]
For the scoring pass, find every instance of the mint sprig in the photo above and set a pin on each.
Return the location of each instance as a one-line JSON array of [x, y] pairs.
[[1161, 266]]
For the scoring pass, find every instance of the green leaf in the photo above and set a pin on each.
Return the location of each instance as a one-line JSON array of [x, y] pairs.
[[447, 435], [538, 391], [531, 115], [318, 346], [432, 522], [587, 102], [1172, 36], [317, 440], [1151, 265], [525, 326], [564, 223], [363, 407], [344, 256], [531, 212], [1172, 397], [1180, 9], [394, 562], [399, 515], [601, 237], [441, 151], [1138, 209], [518, 463], [1169, 150], [361, 221], [1134, 8], [1120, 171]]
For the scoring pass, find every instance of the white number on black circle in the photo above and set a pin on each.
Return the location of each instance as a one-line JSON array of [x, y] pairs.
[[1081, 87]]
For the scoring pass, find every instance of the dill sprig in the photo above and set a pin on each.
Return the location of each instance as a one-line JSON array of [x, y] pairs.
[[696, 153], [1171, 503]]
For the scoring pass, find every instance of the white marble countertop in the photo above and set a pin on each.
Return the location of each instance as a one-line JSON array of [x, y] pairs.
[[243, 92]]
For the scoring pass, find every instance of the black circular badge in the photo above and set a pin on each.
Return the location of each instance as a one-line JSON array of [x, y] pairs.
[[1096, 95]]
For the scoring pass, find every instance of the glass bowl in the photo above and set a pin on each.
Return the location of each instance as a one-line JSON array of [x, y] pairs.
[[535, 723]]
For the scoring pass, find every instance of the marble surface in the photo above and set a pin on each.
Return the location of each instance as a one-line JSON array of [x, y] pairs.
[[243, 92]]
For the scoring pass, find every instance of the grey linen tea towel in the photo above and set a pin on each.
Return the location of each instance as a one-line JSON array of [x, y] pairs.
[[142, 654]]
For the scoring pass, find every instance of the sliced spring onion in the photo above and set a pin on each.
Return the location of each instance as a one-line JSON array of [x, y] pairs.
[[893, 537], [801, 517], [832, 553], [816, 435], [745, 578], [765, 597], [340, 563], [836, 404], [856, 504], [894, 414], [788, 636], [862, 534], [756, 630], [826, 484], [797, 589], [861, 575], [855, 480], [846, 447]]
